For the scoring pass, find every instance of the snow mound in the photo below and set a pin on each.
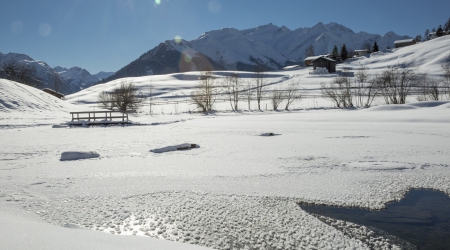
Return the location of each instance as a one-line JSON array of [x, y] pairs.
[[411, 106], [269, 134], [78, 155], [397, 107], [429, 104], [320, 71], [183, 146]]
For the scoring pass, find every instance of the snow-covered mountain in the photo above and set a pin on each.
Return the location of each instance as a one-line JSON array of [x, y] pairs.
[[80, 78], [274, 46], [74, 79], [168, 57], [103, 74], [268, 46], [43, 71]]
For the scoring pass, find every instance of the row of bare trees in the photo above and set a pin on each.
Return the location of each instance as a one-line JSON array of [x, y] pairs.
[[393, 85], [236, 89], [18, 72]]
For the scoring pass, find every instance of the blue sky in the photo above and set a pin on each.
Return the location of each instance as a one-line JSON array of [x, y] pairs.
[[105, 35]]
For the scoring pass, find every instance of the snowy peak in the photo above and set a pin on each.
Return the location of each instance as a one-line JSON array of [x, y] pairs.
[[335, 27], [77, 77]]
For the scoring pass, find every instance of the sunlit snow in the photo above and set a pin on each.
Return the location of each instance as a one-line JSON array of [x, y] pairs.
[[238, 190]]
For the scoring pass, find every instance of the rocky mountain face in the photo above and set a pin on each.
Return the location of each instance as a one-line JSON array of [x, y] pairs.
[[268, 46]]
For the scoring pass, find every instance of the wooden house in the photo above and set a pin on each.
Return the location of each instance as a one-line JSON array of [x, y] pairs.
[[325, 62], [361, 52], [309, 59], [404, 43], [53, 93]]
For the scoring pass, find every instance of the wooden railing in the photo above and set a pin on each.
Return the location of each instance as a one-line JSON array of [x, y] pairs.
[[99, 115]]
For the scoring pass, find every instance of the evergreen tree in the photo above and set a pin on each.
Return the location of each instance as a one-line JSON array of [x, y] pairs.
[[440, 31], [433, 30], [375, 47], [418, 38], [344, 53], [335, 53], [447, 26], [426, 36]]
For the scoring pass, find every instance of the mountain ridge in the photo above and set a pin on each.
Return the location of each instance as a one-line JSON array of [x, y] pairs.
[[268, 46]]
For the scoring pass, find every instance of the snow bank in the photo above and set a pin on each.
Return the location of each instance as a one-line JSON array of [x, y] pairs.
[[319, 71], [409, 106], [78, 155], [183, 146]]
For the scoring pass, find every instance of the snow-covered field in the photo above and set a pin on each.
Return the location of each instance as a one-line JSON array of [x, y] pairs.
[[236, 190]]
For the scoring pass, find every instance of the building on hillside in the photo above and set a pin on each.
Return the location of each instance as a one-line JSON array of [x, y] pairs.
[[404, 43], [432, 35], [325, 62], [309, 59], [361, 52], [53, 93]]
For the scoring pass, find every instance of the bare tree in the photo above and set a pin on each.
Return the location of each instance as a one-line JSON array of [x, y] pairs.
[[339, 91], [205, 94], [365, 87], [248, 93], [446, 77], [429, 89], [232, 85], [18, 72], [259, 85], [151, 89], [105, 100], [292, 94], [124, 97], [395, 83], [276, 97]]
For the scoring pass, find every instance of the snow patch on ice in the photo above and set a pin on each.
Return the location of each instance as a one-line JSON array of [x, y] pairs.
[[78, 155], [184, 146]]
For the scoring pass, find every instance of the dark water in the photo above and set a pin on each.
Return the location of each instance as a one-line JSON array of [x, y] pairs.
[[421, 218]]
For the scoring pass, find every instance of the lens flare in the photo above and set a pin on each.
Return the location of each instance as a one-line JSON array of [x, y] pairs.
[[177, 39], [158, 2], [45, 29], [214, 6], [17, 27]]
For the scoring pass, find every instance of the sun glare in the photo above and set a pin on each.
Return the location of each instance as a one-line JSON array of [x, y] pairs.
[[158, 2], [177, 39]]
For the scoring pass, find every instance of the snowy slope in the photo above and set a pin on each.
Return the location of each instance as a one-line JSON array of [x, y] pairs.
[[238, 186], [426, 57], [19, 102]]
